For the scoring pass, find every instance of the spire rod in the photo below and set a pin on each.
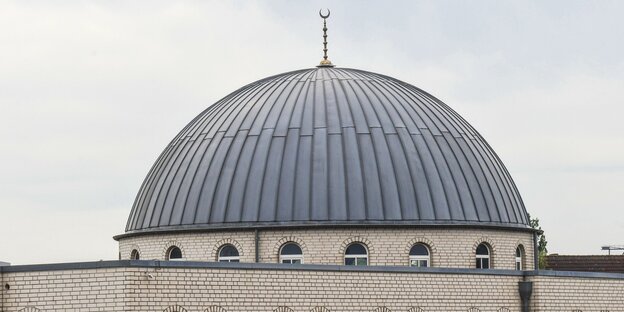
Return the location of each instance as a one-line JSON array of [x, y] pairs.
[[325, 62]]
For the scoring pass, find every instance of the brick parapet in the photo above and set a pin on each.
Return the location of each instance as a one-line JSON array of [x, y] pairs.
[[577, 293], [194, 286]]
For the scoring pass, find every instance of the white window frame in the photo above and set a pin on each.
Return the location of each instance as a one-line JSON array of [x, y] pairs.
[[481, 257], [290, 259], [356, 257], [228, 258], [519, 262], [417, 261], [420, 258]]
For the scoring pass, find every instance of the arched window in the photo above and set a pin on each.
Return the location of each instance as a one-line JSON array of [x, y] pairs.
[[419, 256], [483, 256], [291, 253], [519, 258], [356, 254], [228, 253], [134, 255], [174, 253]]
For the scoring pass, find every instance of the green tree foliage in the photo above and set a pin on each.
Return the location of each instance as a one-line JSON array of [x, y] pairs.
[[541, 242]]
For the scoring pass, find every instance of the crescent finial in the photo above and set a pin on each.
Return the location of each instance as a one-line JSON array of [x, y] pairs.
[[325, 62], [324, 16]]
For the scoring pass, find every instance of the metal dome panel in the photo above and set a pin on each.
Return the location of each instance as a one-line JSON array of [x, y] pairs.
[[327, 146]]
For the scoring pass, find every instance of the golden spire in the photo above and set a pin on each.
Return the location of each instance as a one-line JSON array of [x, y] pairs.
[[325, 62]]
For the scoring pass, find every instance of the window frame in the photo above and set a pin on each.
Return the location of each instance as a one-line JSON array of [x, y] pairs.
[[420, 258], [170, 250], [135, 254], [481, 258], [228, 258], [356, 257], [519, 259], [290, 259]]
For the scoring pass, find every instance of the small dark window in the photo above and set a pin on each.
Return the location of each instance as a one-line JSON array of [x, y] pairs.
[[174, 253], [419, 256], [483, 250], [291, 253], [483, 257], [291, 249], [419, 250], [356, 254], [228, 253], [356, 249], [134, 255]]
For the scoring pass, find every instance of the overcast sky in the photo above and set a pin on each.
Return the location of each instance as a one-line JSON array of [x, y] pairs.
[[92, 92]]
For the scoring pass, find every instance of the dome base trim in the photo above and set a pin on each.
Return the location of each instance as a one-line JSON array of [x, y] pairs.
[[323, 224]]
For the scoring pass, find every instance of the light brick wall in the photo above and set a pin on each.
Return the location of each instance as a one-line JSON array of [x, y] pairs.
[[196, 289], [266, 290], [262, 289], [573, 293], [194, 245], [66, 290], [451, 248]]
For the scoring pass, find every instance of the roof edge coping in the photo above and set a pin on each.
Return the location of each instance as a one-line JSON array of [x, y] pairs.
[[293, 267], [324, 224]]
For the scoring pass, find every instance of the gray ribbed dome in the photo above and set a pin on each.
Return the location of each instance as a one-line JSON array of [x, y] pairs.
[[327, 146]]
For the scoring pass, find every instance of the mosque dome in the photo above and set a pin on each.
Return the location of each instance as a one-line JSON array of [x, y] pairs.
[[327, 147]]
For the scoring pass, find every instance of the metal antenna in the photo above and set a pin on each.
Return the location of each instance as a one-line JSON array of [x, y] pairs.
[[325, 62], [613, 247]]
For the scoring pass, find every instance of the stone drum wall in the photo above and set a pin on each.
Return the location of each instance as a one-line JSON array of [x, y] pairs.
[[449, 248]]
